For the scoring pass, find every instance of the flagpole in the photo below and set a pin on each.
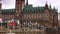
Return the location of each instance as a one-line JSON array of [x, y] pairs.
[[1, 23], [1, 26]]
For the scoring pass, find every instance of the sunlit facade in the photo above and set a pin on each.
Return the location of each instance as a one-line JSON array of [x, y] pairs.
[[29, 16]]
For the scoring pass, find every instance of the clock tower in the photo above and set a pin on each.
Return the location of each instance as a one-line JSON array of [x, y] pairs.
[[19, 7]]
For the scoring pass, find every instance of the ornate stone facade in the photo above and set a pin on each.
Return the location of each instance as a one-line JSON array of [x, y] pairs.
[[45, 16]]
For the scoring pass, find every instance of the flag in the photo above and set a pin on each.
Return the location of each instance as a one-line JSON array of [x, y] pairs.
[[12, 24]]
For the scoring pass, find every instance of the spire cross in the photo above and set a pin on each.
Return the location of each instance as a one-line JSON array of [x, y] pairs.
[[46, 2]]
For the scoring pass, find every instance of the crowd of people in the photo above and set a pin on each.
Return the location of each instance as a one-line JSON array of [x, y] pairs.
[[24, 25]]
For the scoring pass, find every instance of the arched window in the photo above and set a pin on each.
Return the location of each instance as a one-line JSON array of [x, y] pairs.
[[53, 18]]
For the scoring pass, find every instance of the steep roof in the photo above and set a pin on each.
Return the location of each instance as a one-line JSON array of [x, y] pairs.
[[31, 9], [53, 10], [8, 11]]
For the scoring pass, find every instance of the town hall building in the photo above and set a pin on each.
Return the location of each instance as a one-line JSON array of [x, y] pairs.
[[42, 15]]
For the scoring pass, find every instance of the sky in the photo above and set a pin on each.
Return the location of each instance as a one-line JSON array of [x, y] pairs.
[[8, 4]]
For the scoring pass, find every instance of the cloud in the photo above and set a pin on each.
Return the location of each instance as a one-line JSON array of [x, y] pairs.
[[8, 4], [11, 3]]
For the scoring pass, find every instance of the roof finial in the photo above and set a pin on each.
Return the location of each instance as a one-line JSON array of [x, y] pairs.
[[54, 7], [26, 2], [46, 3], [50, 5]]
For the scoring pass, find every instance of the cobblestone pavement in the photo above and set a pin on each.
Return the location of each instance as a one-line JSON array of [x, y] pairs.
[[4, 30], [20, 31]]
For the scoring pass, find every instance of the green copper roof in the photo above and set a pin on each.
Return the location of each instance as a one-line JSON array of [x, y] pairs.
[[27, 9], [8, 11], [31, 9]]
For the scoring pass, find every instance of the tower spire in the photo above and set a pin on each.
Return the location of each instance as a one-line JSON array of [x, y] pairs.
[[54, 7], [26, 2], [0, 4], [50, 5], [46, 5]]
